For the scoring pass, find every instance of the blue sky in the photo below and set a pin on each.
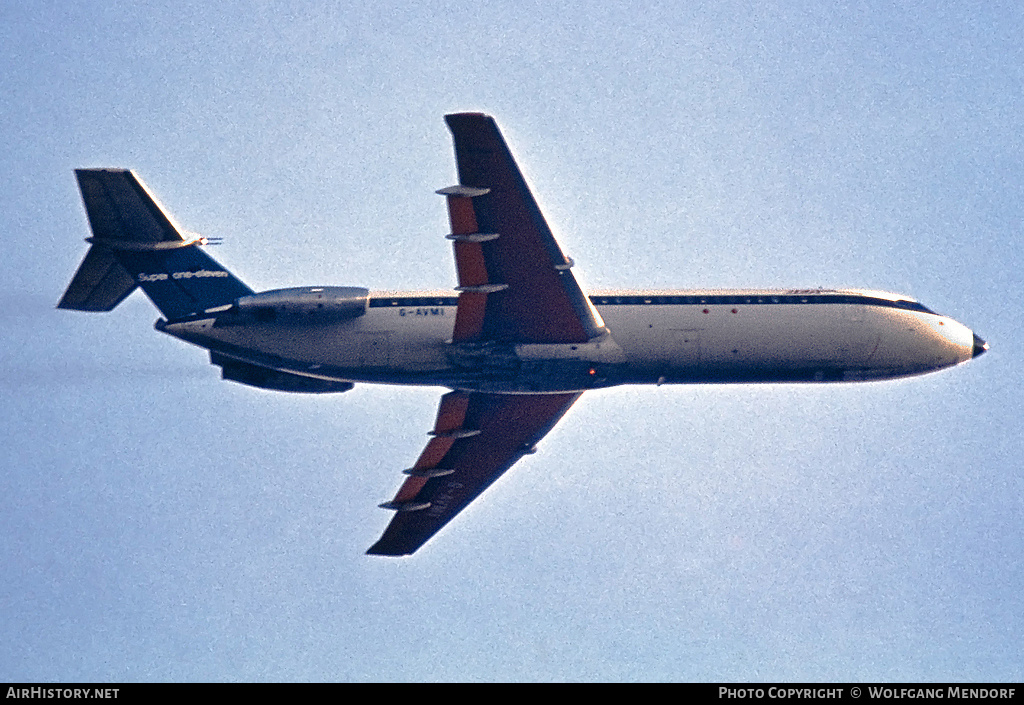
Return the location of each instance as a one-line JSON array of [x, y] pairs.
[[161, 524]]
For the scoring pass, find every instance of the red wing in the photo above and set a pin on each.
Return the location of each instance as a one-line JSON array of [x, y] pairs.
[[515, 283], [515, 287], [477, 438]]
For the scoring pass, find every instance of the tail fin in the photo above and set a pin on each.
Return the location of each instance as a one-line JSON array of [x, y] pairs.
[[136, 243]]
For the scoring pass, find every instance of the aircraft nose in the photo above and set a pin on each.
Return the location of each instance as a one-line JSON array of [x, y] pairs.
[[980, 346]]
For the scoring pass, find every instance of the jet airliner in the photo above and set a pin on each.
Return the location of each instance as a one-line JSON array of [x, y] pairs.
[[516, 343]]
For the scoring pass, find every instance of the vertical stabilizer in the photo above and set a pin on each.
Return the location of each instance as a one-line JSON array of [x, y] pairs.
[[135, 242]]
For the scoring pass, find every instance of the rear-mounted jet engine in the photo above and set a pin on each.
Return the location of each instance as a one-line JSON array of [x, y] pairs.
[[300, 304]]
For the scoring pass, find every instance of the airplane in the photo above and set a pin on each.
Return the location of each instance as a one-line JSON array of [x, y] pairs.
[[516, 344]]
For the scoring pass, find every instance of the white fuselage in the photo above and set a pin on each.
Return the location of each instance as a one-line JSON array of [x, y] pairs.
[[654, 338]]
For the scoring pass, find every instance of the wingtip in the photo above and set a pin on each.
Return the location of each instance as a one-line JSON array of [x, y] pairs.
[[467, 118], [102, 170], [374, 551]]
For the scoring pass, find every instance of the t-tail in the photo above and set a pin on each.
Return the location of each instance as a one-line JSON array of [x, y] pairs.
[[135, 243]]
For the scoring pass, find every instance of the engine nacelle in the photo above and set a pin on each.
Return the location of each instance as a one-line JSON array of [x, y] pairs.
[[305, 303]]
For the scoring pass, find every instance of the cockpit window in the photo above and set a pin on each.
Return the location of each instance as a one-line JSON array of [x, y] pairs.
[[913, 306]]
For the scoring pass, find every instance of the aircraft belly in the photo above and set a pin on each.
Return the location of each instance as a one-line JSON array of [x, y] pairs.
[[695, 343], [419, 340], [377, 347], [659, 343]]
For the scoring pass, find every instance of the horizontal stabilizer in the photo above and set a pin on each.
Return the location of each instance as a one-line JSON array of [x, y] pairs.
[[120, 207], [100, 283]]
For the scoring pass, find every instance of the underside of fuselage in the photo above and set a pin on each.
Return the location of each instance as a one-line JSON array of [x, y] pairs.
[[653, 338]]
